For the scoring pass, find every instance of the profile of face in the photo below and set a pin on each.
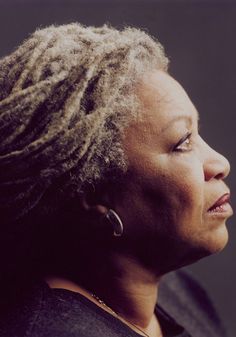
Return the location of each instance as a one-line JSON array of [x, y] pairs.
[[174, 178]]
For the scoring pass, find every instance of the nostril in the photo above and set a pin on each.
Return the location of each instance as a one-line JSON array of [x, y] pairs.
[[219, 176]]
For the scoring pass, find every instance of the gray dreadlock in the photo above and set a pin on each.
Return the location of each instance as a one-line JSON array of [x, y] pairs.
[[66, 95]]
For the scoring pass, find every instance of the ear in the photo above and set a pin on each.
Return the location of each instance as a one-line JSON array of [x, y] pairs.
[[94, 200], [97, 203]]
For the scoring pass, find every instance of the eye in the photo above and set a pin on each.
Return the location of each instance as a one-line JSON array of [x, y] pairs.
[[184, 144]]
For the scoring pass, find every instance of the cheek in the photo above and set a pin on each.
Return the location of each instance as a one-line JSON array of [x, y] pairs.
[[181, 189], [187, 179], [176, 199], [167, 197]]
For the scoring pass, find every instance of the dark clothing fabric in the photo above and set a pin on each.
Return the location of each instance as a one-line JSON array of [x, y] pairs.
[[185, 300], [183, 310]]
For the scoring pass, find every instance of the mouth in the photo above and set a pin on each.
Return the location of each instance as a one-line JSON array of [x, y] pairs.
[[221, 206]]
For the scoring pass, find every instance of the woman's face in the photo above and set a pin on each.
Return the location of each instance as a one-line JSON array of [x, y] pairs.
[[173, 179]]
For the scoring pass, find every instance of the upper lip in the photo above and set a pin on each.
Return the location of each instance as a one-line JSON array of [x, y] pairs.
[[222, 200]]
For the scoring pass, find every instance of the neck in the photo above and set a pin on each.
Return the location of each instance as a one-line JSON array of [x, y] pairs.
[[132, 292], [126, 287]]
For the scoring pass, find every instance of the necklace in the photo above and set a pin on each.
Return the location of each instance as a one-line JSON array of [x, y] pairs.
[[116, 314]]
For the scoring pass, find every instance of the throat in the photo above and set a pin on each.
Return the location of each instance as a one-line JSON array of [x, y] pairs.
[[135, 308], [128, 291]]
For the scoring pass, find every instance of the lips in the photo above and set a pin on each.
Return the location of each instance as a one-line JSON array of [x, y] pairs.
[[224, 199]]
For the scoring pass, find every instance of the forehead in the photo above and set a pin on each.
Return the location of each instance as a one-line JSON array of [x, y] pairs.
[[163, 99]]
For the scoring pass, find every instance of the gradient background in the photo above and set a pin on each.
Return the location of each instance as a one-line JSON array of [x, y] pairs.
[[199, 38]]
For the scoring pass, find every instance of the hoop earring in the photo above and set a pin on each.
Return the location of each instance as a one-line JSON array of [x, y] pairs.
[[116, 222]]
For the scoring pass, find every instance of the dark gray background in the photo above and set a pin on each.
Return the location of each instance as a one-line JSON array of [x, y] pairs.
[[199, 38]]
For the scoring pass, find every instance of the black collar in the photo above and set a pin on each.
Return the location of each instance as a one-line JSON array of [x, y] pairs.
[[169, 326]]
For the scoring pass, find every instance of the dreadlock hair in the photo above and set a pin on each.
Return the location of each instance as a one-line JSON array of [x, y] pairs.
[[66, 95]]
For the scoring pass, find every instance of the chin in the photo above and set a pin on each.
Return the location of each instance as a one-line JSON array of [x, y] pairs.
[[213, 243], [218, 240], [188, 251]]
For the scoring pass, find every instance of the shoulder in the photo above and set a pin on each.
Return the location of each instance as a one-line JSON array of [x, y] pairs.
[[184, 299], [58, 313]]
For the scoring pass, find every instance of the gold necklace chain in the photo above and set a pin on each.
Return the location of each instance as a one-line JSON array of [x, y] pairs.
[[116, 314]]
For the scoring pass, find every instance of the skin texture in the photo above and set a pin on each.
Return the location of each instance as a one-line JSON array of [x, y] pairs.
[[162, 202], [168, 190]]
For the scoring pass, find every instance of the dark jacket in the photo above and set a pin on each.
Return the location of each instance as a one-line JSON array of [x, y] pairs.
[[183, 309]]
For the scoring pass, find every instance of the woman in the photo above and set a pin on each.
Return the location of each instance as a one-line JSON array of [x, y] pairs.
[[106, 186]]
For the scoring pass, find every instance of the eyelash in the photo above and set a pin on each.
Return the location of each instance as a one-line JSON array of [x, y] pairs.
[[181, 142]]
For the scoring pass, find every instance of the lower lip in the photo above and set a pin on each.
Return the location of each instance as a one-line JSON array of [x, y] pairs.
[[225, 210]]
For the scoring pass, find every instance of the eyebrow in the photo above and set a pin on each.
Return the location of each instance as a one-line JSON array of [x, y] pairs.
[[177, 118]]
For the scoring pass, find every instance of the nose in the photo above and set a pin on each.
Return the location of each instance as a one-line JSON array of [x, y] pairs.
[[215, 166]]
